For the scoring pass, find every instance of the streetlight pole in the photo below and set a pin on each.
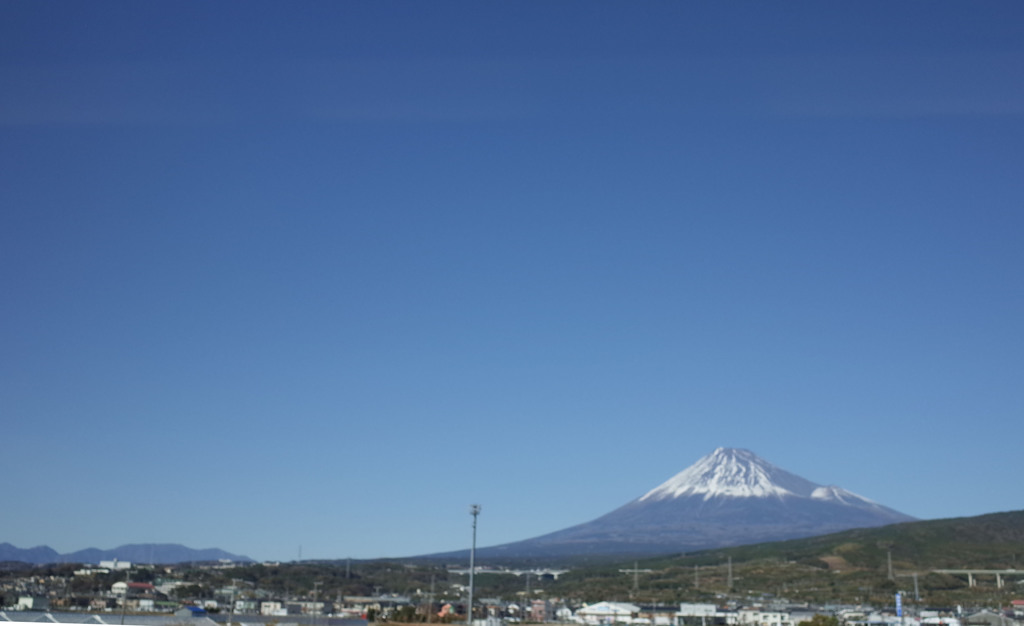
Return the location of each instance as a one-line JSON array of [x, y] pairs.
[[231, 610], [474, 510]]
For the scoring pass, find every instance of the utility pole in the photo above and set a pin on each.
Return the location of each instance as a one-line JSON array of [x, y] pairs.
[[730, 573], [474, 510], [124, 599], [636, 577], [231, 609]]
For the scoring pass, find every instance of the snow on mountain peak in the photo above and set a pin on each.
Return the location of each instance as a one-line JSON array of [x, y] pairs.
[[732, 472], [838, 494]]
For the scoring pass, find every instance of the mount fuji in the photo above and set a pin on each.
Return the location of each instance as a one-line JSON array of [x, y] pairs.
[[729, 497]]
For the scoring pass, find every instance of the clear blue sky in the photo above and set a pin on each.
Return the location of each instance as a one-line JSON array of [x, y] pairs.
[[322, 274]]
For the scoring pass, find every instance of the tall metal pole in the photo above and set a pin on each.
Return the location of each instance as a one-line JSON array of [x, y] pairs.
[[231, 611], [474, 510]]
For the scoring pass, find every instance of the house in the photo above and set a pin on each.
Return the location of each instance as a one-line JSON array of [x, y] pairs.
[[541, 611], [122, 588], [272, 607], [250, 607]]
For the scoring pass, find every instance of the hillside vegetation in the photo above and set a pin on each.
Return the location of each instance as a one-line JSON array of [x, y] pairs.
[[850, 566]]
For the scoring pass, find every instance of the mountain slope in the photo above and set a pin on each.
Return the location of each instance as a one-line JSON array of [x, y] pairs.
[[729, 497], [38, 554], [990, 541]]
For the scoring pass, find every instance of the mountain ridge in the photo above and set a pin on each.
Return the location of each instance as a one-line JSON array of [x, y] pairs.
[[163, 553]]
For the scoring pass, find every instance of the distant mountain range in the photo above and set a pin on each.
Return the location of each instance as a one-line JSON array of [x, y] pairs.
[[163, 553], [730, 497]]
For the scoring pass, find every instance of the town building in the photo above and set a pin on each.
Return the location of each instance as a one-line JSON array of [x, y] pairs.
[[608, 613], [695, 614]]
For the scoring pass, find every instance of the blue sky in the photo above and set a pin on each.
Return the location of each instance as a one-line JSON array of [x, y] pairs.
[[285, 277]]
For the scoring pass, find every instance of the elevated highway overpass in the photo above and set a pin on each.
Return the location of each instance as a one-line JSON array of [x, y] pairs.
[[1000, 574]]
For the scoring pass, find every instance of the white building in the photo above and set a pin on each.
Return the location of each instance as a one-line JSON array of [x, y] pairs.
[[693, 614], [757, 617], [268, 607], [608, 613], [33, 603]]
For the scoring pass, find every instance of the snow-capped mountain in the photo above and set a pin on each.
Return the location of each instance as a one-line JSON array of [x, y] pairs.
[[736, 473], [729, 472], [729, 497]]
